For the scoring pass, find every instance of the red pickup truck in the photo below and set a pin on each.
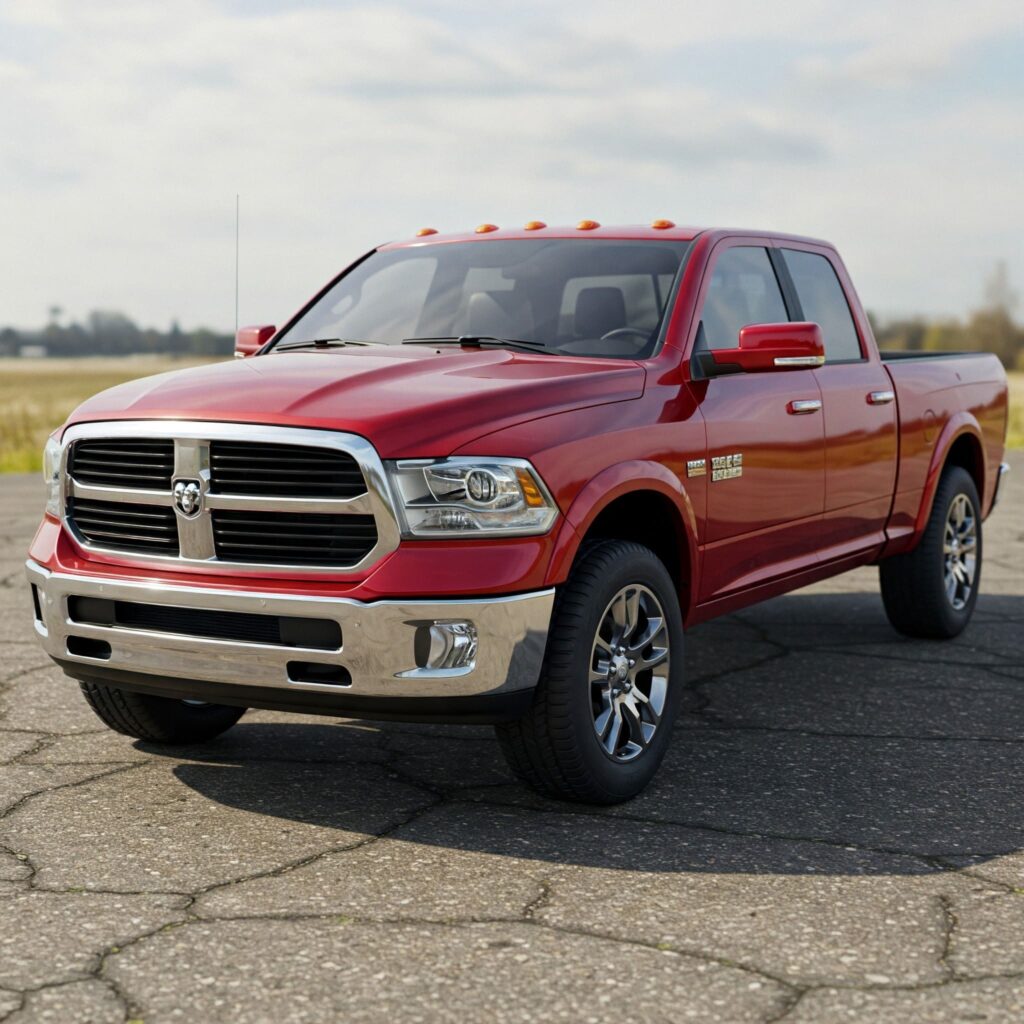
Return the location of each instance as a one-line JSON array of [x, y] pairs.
[[492, 477]]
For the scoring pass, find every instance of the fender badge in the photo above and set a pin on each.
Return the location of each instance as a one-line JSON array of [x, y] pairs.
[[696, 467], [726, 467]]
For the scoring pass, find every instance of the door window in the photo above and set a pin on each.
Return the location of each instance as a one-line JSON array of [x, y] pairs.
[[743, 290], [823, 302]]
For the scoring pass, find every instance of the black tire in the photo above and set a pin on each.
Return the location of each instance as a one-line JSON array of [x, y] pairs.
[[555, 747], [914, 585], [158, 719]]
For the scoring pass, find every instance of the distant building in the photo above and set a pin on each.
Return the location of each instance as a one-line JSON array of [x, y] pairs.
[[33, 351]]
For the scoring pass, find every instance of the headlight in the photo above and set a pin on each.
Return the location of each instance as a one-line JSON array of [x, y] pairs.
[[470, 497], [51, 476]]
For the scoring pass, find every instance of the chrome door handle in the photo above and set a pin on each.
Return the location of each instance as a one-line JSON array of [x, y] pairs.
[[880, 397], [802, 406]]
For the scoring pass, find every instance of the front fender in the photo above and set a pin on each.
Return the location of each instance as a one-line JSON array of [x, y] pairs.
[[610, 484]]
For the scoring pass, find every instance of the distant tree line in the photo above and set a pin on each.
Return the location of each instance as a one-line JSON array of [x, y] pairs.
[[990, 328], [109, 333]]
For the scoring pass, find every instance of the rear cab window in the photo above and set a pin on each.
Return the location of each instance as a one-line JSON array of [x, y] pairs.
[[823, 301]]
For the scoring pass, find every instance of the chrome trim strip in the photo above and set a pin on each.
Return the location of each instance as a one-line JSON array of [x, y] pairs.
[[378, 637], [799, 360], [881, 397], [98, 492], [192, 440], [361, 505]]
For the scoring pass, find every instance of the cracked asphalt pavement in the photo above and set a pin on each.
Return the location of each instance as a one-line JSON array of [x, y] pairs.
[[837, 834]]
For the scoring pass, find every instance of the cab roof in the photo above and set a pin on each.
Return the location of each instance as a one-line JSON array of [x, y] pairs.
[[486, 232], [657, 230]]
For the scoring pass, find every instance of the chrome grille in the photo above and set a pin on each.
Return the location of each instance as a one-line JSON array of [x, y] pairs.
[[244, 467], [293, 538], [243, 496], [123, 462], [142, 528]]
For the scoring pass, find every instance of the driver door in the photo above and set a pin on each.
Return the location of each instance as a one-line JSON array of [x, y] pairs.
[[765, 456]]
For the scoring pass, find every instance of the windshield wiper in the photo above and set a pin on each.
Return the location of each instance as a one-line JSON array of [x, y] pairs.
[[322, 343], [482, 341]]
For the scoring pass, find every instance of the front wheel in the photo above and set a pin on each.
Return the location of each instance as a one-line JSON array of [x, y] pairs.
[[159, 719], [611, 684], [931, 591]]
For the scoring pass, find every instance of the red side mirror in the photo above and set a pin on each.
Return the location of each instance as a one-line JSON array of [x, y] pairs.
[[249, 340], [789, 346]]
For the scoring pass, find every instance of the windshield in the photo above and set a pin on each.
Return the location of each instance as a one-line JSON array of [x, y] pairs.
[[571, 296]]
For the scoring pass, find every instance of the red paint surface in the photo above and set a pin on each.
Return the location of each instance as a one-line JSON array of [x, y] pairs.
[[819, 493]]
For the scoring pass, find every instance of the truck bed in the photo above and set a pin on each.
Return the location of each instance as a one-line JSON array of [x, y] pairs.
[[897, 355]]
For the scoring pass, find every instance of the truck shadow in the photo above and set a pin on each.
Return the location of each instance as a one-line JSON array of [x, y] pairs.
[[815, 741]]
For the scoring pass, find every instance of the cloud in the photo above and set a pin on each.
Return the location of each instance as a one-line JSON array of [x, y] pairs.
[[344, 125], [908, 43]]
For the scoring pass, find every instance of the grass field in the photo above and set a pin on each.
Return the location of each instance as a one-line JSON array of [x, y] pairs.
[[37, 394]]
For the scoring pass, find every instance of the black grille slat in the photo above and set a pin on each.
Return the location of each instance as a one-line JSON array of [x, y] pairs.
[[138, 528], [252, 467], [247, 627], [292, 538], [132, 462]]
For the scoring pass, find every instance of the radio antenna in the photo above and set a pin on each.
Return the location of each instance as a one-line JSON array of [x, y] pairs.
[[236, 260]]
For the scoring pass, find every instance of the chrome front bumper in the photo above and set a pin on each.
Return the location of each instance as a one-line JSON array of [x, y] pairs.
[[378, 639]]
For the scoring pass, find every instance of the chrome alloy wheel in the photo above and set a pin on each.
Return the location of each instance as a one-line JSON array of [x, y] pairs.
[[960, 551], [629, 666]]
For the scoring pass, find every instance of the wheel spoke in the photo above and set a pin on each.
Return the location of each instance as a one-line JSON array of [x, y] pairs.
[[603, 720], [635, 725], [626, 612], [656, 657], [654, 628], [656, 698], [610, 740]]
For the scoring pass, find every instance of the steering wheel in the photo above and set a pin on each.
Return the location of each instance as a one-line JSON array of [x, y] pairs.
[[640, 340], [622, 331]]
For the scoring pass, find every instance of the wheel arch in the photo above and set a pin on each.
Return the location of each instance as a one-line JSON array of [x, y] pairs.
[[640, 501], [959, 444]]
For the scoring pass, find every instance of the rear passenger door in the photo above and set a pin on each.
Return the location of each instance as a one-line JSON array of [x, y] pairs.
[[858, 403], [765, 464]]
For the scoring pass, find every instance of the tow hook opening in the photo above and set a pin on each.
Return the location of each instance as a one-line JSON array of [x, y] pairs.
[[312, 673], [85, 647]]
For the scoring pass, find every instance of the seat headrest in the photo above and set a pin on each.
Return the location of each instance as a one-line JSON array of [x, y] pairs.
[[498, 314], [598, 311]]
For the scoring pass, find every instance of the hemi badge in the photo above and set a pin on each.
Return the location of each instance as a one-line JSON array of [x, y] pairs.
[[696, 467], [726, 467]]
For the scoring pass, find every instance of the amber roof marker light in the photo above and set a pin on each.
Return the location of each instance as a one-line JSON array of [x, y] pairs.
[[661, 224], [587, 225], [426, 231], [534, 225], [483, 229]]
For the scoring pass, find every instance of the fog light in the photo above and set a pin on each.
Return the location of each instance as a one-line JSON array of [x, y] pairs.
[[452, 645]]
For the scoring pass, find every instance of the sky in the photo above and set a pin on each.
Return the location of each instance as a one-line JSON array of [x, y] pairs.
[[893, 129]]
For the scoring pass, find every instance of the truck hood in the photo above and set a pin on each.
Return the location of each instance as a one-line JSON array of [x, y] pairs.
[[409, 402]]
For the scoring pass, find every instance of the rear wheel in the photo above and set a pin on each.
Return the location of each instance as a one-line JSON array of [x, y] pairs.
[[611, 684], [159, 719], [931, 591]]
